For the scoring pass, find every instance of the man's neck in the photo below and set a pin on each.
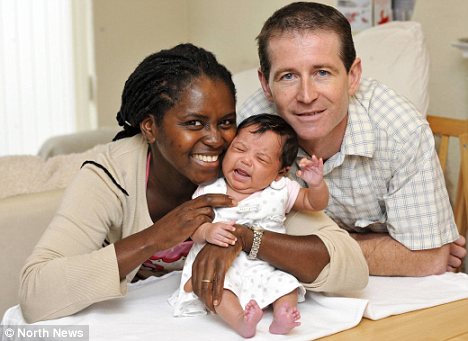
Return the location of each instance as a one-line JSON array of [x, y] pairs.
[[327, 146]]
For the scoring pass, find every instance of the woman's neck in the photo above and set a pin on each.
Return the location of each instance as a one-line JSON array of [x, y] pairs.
[[166, 188]]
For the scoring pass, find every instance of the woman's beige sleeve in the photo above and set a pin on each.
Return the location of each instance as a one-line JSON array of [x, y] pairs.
[[69, 269], [348, 268]]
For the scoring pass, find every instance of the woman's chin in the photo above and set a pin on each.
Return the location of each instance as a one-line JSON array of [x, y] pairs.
[[207, 178]]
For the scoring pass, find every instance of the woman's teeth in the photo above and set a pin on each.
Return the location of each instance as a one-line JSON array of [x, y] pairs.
[[206, 158]]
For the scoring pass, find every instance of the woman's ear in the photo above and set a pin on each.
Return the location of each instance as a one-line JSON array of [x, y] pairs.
[[282, 172], [148, 129]]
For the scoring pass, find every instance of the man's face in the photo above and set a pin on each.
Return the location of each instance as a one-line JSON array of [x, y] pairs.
[[309, 84]]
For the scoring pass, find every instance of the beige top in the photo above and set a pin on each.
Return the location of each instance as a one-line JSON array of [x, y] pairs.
[[70, 270]]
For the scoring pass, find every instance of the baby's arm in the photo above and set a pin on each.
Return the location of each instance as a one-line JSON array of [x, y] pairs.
[[315, 197], [215, 233]]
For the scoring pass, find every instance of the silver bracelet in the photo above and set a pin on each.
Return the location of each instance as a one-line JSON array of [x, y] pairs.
[[257, 240]]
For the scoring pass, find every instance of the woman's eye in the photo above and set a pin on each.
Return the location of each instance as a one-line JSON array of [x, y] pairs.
[[227, 123], [194, 123]]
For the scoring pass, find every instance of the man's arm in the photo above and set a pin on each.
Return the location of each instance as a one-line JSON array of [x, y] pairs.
[[387, 257]]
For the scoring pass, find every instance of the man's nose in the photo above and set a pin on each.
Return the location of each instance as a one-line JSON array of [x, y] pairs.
[[307, 91]]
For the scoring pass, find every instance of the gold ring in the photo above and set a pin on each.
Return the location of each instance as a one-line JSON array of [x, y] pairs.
[[206, 281]]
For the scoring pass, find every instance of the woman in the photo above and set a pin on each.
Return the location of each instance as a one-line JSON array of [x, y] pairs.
[[178, 114]]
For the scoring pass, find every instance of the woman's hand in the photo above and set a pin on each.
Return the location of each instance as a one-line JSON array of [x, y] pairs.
[[180, 223], [172, 229], [211, 264]]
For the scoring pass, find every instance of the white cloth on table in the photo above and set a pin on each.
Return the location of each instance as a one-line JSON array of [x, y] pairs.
[[396, 295], [144, 313]]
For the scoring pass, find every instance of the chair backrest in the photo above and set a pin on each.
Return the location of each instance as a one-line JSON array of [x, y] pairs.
[[445, 128]]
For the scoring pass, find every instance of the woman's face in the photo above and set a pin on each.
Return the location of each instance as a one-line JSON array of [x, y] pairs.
[[196, 132]]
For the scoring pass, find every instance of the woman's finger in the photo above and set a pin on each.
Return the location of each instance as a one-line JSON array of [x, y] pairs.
[[215, 200]]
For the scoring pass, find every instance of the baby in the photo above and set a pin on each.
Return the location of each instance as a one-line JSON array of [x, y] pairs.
[[254, 169]]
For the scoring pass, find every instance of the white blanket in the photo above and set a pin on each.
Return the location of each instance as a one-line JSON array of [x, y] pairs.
[[144, 313]]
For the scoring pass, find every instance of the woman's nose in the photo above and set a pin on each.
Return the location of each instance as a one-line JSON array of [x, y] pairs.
[[213, 137]]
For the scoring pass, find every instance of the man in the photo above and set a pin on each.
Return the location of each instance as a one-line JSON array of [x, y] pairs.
[[386, 185]]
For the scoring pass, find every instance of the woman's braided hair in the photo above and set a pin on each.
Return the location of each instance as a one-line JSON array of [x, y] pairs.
[[157, 84]]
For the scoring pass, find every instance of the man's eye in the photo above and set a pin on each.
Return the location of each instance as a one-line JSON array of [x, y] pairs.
[[323, 73], [287, 76]]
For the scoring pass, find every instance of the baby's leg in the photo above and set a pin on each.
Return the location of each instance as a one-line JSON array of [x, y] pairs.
[[244, 322], [285, 314]]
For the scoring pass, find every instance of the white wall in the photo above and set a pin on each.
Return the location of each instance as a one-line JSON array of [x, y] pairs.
[[443, 22], [125, 32]]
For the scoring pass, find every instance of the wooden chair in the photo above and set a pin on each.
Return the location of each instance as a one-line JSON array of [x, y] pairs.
[[445, 128]]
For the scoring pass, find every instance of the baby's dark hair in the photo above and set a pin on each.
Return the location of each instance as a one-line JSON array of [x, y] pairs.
[[159, 80], [276, 124]]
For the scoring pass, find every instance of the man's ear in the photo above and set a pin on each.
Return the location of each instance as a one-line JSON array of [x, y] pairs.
[[282, 172], [354, 76], [265, 85], [149, 129]]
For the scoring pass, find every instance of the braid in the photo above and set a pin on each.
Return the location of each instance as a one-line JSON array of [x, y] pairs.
[[160, 79]]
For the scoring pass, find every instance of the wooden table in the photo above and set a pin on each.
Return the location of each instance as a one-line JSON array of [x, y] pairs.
[[445, 322]]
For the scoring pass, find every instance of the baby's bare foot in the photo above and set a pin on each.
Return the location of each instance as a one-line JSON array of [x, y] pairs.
[[285, 318], [252, 315]]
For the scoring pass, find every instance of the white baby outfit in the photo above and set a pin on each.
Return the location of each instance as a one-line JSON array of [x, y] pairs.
[[247, 279]]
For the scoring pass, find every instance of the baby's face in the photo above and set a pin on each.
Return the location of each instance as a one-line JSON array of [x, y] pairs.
[[252, 161]]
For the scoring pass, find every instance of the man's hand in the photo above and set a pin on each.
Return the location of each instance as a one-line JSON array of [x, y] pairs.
[[457, 253]]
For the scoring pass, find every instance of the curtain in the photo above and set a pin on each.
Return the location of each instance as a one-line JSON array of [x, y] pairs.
[[36, 73]]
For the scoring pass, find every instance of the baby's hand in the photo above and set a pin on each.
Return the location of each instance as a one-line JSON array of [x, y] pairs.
[[219, 233], [311, 170]]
